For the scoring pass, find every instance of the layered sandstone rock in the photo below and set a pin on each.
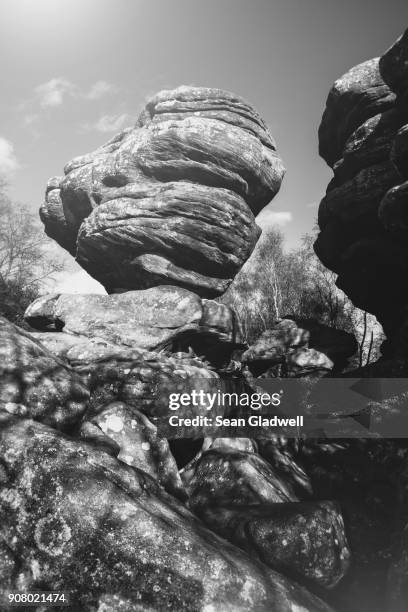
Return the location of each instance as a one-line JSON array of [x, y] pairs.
[[152, 319], [163, 216], [171, 200], [362, 218]]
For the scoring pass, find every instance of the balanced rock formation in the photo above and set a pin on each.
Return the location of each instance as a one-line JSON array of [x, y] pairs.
[[171, 200], [362, 218], [163, 216]]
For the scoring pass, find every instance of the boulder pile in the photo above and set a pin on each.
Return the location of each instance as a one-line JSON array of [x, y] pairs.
[[94, 501]]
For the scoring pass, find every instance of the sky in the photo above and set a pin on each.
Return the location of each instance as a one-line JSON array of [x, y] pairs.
[[74, 72]]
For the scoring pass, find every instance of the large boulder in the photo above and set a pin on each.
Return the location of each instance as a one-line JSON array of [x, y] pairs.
[[76, 520], [337, 344], [285, 349], [34, 383], [152, 319], [226, 476], [273, 345], [303, 540], [362, 218], [241, 497], [355, 97], [172, 199]]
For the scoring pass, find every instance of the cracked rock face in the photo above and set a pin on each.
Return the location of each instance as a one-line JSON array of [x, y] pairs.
[[172, 199], [362, 218]]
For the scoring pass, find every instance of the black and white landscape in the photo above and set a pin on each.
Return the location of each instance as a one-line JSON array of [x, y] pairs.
[[158, 267]]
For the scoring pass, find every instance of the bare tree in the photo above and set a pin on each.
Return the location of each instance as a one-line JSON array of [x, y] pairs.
[[257, 293], [25, 261], [275, 283]]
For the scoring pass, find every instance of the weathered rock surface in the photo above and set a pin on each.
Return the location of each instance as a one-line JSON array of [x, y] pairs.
[[153, 319], [172, 199], [138, 442], [274, 344], [303, 540], [362, 218], [76, 349], [146, 380], [305, 361], [225, 476], [240, 496], [355, 97], [337, 344], [36, 384], [280, 453], [284, 350], [74, 519]]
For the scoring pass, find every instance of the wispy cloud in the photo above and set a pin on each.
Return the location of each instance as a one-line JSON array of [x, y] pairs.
[[57, 90], [273, 217], [109, 123], [8, 159], [100, 89], [53, 92]]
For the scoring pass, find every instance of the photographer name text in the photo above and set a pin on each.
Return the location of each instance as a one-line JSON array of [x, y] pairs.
[[254, 420]]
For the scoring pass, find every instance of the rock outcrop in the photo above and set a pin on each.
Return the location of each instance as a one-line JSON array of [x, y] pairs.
[[300, 348], [164, 317], [171, 200], [362, 218], [363, 238], [338, 345], [241, 497], [75, 520], [36, 384], [120, 510]]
